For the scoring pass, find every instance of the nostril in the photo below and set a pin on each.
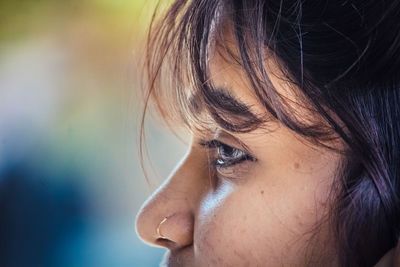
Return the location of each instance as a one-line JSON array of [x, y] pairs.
[[175, 230], [163, 242]]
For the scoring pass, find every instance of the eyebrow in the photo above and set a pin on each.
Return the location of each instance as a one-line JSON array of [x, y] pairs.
[[229, 101], [225, 100], [227, 111]]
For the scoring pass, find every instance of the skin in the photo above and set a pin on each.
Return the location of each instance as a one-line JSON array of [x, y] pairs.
[[272, 211], [391, 258]]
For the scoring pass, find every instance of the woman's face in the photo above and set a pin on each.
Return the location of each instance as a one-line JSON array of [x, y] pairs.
[[252, 199]]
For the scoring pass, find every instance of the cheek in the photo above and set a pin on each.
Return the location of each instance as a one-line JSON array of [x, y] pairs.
[[223, 235], [252, 225]]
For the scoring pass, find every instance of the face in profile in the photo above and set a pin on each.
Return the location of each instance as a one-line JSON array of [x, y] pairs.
[[259, 198], [293, 111]]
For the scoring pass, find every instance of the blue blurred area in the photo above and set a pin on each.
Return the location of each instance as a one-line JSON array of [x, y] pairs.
[[38, 216], [47, 218], [70, 177]]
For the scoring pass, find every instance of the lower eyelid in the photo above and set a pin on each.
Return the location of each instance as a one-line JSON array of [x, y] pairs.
[[233, 163], [233, 173], [242, 165]]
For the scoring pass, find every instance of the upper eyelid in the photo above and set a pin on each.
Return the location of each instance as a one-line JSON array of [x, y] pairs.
[[214, 143], [228, 136], [224, 137]]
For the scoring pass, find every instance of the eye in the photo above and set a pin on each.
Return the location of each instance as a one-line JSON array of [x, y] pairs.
[[226, 156]]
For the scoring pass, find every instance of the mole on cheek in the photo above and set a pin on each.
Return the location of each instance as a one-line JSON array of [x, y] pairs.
[[262, 192], [296, 165]]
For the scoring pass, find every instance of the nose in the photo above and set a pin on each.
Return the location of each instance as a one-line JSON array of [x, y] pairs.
[[167, 218]]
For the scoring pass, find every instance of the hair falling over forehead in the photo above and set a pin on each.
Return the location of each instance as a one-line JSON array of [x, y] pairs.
[[342, 59]]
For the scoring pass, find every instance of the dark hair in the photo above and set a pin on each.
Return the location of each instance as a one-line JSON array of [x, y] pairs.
[[342, 59]]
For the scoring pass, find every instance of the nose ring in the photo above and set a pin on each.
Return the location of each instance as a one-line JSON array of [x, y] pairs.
[[158, 228]]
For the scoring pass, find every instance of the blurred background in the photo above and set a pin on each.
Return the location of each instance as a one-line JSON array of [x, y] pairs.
[[70, 176]]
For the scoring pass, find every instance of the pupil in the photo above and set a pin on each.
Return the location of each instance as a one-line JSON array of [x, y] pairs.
[[226, 151]]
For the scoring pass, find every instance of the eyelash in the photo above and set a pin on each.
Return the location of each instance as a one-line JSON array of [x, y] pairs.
[[219, 162]]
